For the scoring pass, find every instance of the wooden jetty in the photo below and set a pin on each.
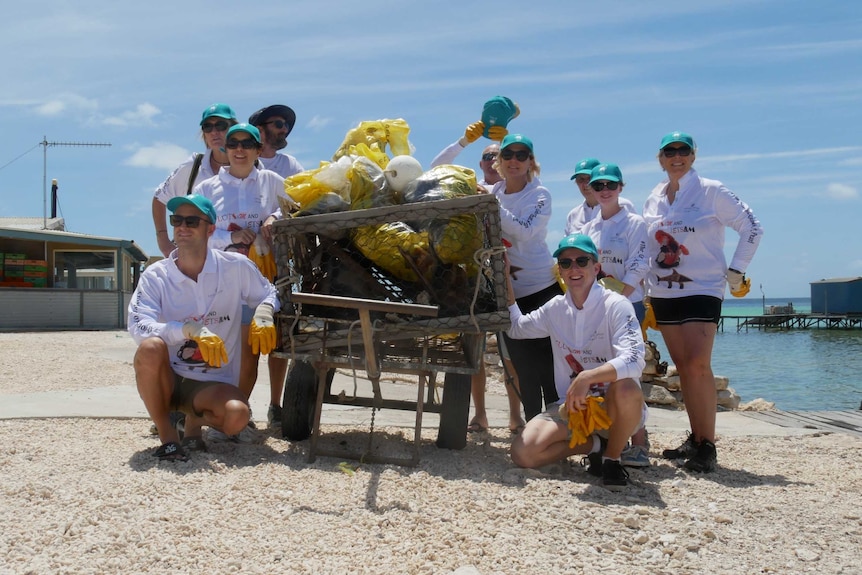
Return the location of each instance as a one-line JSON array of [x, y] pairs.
[[791, 321], [845, 421]]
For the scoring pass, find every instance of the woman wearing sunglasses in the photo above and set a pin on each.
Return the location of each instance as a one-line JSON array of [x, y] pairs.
[[686, 217], [215, 122], [525, 209], [244, 196]]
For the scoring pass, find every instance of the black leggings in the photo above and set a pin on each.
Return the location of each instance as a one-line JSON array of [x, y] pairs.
[[534, 359]]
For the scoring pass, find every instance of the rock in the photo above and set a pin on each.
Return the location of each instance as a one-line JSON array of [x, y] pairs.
[[721, 382], [657, 395], [758, 404], [672, 382], [727, 398]]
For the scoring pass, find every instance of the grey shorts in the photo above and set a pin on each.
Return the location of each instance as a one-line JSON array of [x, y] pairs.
[[185, 391], [552, 413]]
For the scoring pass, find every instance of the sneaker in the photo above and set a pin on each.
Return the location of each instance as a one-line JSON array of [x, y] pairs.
[[251, 419], [273, 416], [593, 461], [704, 460], [216, 436], [684, 451], [635, 456], [247, 436], [614, 475], [178, 420]]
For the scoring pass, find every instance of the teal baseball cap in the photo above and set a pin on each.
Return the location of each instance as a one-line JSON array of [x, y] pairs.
[[198, 201], [609, 172], [498, 111], [218, 111], [247, 128], [516, 139], [580, 242], [677, 137], [585, 166]]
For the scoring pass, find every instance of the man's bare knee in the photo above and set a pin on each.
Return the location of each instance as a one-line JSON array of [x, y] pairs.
[[236, 414]]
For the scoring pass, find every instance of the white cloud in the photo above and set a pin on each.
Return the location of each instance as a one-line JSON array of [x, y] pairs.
[[142, 114], [841, 192], [317, 123], [160, 155], [69, 104]]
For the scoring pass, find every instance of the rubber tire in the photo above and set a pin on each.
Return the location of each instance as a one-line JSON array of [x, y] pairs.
[[454, 411], [300, 395]]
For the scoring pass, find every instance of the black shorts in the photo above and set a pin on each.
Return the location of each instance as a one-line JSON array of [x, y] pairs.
[[680, 310], [185, 391]]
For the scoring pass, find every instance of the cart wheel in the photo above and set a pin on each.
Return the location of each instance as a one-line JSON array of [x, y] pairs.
[[300, 395], [454, 411]]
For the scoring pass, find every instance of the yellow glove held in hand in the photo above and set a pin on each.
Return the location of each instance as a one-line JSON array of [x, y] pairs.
[[584, 422], [473, 132], [210, 345], [497, 133], [261, 335], [262, 257], [739, 286], [649, 320]]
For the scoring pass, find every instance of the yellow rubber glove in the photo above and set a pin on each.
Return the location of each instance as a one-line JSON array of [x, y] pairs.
[[612, 283], [210, 345], [473, 132], [649, 320], [262, 257], [261, 335], [739, 286], [497, 133]]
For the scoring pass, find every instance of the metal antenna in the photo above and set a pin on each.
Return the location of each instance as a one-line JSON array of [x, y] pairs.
[[45, 143]]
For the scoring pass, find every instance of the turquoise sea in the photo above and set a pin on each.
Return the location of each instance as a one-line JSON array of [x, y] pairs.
[[797, 369]]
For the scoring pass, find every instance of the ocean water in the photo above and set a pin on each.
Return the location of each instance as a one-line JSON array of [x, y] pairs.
[[797, 369]]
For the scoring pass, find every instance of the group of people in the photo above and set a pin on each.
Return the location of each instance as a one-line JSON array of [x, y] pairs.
[[576, 313], [581, 336], [204, 314]]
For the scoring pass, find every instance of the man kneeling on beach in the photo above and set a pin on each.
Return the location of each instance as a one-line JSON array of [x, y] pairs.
[[598, 351], [185, 316]]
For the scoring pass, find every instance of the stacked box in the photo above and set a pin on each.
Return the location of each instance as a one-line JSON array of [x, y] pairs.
[[36, 272]]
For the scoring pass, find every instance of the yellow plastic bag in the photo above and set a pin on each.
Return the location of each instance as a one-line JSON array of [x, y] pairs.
[[370, 138], [383, 245]]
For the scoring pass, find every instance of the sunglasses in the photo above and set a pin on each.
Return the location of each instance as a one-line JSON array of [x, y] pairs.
[[566, 263], [190, 221], [219, 126], [279, 124], [684, 151], [489, 157], [520, 155], [247, 144], [582, 179], [599, 186]]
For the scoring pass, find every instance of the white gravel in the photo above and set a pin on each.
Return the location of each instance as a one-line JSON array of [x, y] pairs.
[[86, 496]]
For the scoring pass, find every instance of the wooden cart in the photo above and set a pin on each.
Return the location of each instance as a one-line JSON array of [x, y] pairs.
[[342, 310]]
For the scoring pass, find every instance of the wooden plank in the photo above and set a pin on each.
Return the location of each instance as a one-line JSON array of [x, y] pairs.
[[846, 421]]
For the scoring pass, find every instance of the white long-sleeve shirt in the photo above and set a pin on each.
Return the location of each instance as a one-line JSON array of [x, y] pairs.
[[605, 331], [583, 213], [284, 165], [621, 241], [448, 155], [685, 240], [177, 184], [241, 203], [166, 298], [524, 218]]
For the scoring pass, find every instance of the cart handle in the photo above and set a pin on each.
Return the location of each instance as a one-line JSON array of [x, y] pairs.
[[364, 304]]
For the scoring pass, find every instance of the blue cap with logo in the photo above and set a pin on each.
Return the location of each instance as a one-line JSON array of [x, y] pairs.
[[579, 242], [198, 201], [218, 111], [585, 166], [498, 111], [516, 139], [677, 138], [609, 172], [247, 128]]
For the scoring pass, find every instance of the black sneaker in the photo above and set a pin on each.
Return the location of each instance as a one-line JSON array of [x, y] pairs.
[[704, 460], [593, 461], [684, 451], [273, 415], [614, 475]]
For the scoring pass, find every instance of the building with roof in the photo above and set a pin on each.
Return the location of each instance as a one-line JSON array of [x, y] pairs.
[[837, 296], [51, 279]]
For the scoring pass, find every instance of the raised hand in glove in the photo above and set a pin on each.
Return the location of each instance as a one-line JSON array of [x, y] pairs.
[[261, 335], [472, 133], [210, 345], [738, 284], [497, 133], [262, 257]]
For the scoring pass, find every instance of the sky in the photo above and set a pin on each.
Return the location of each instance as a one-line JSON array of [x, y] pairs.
[[770, 90]]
